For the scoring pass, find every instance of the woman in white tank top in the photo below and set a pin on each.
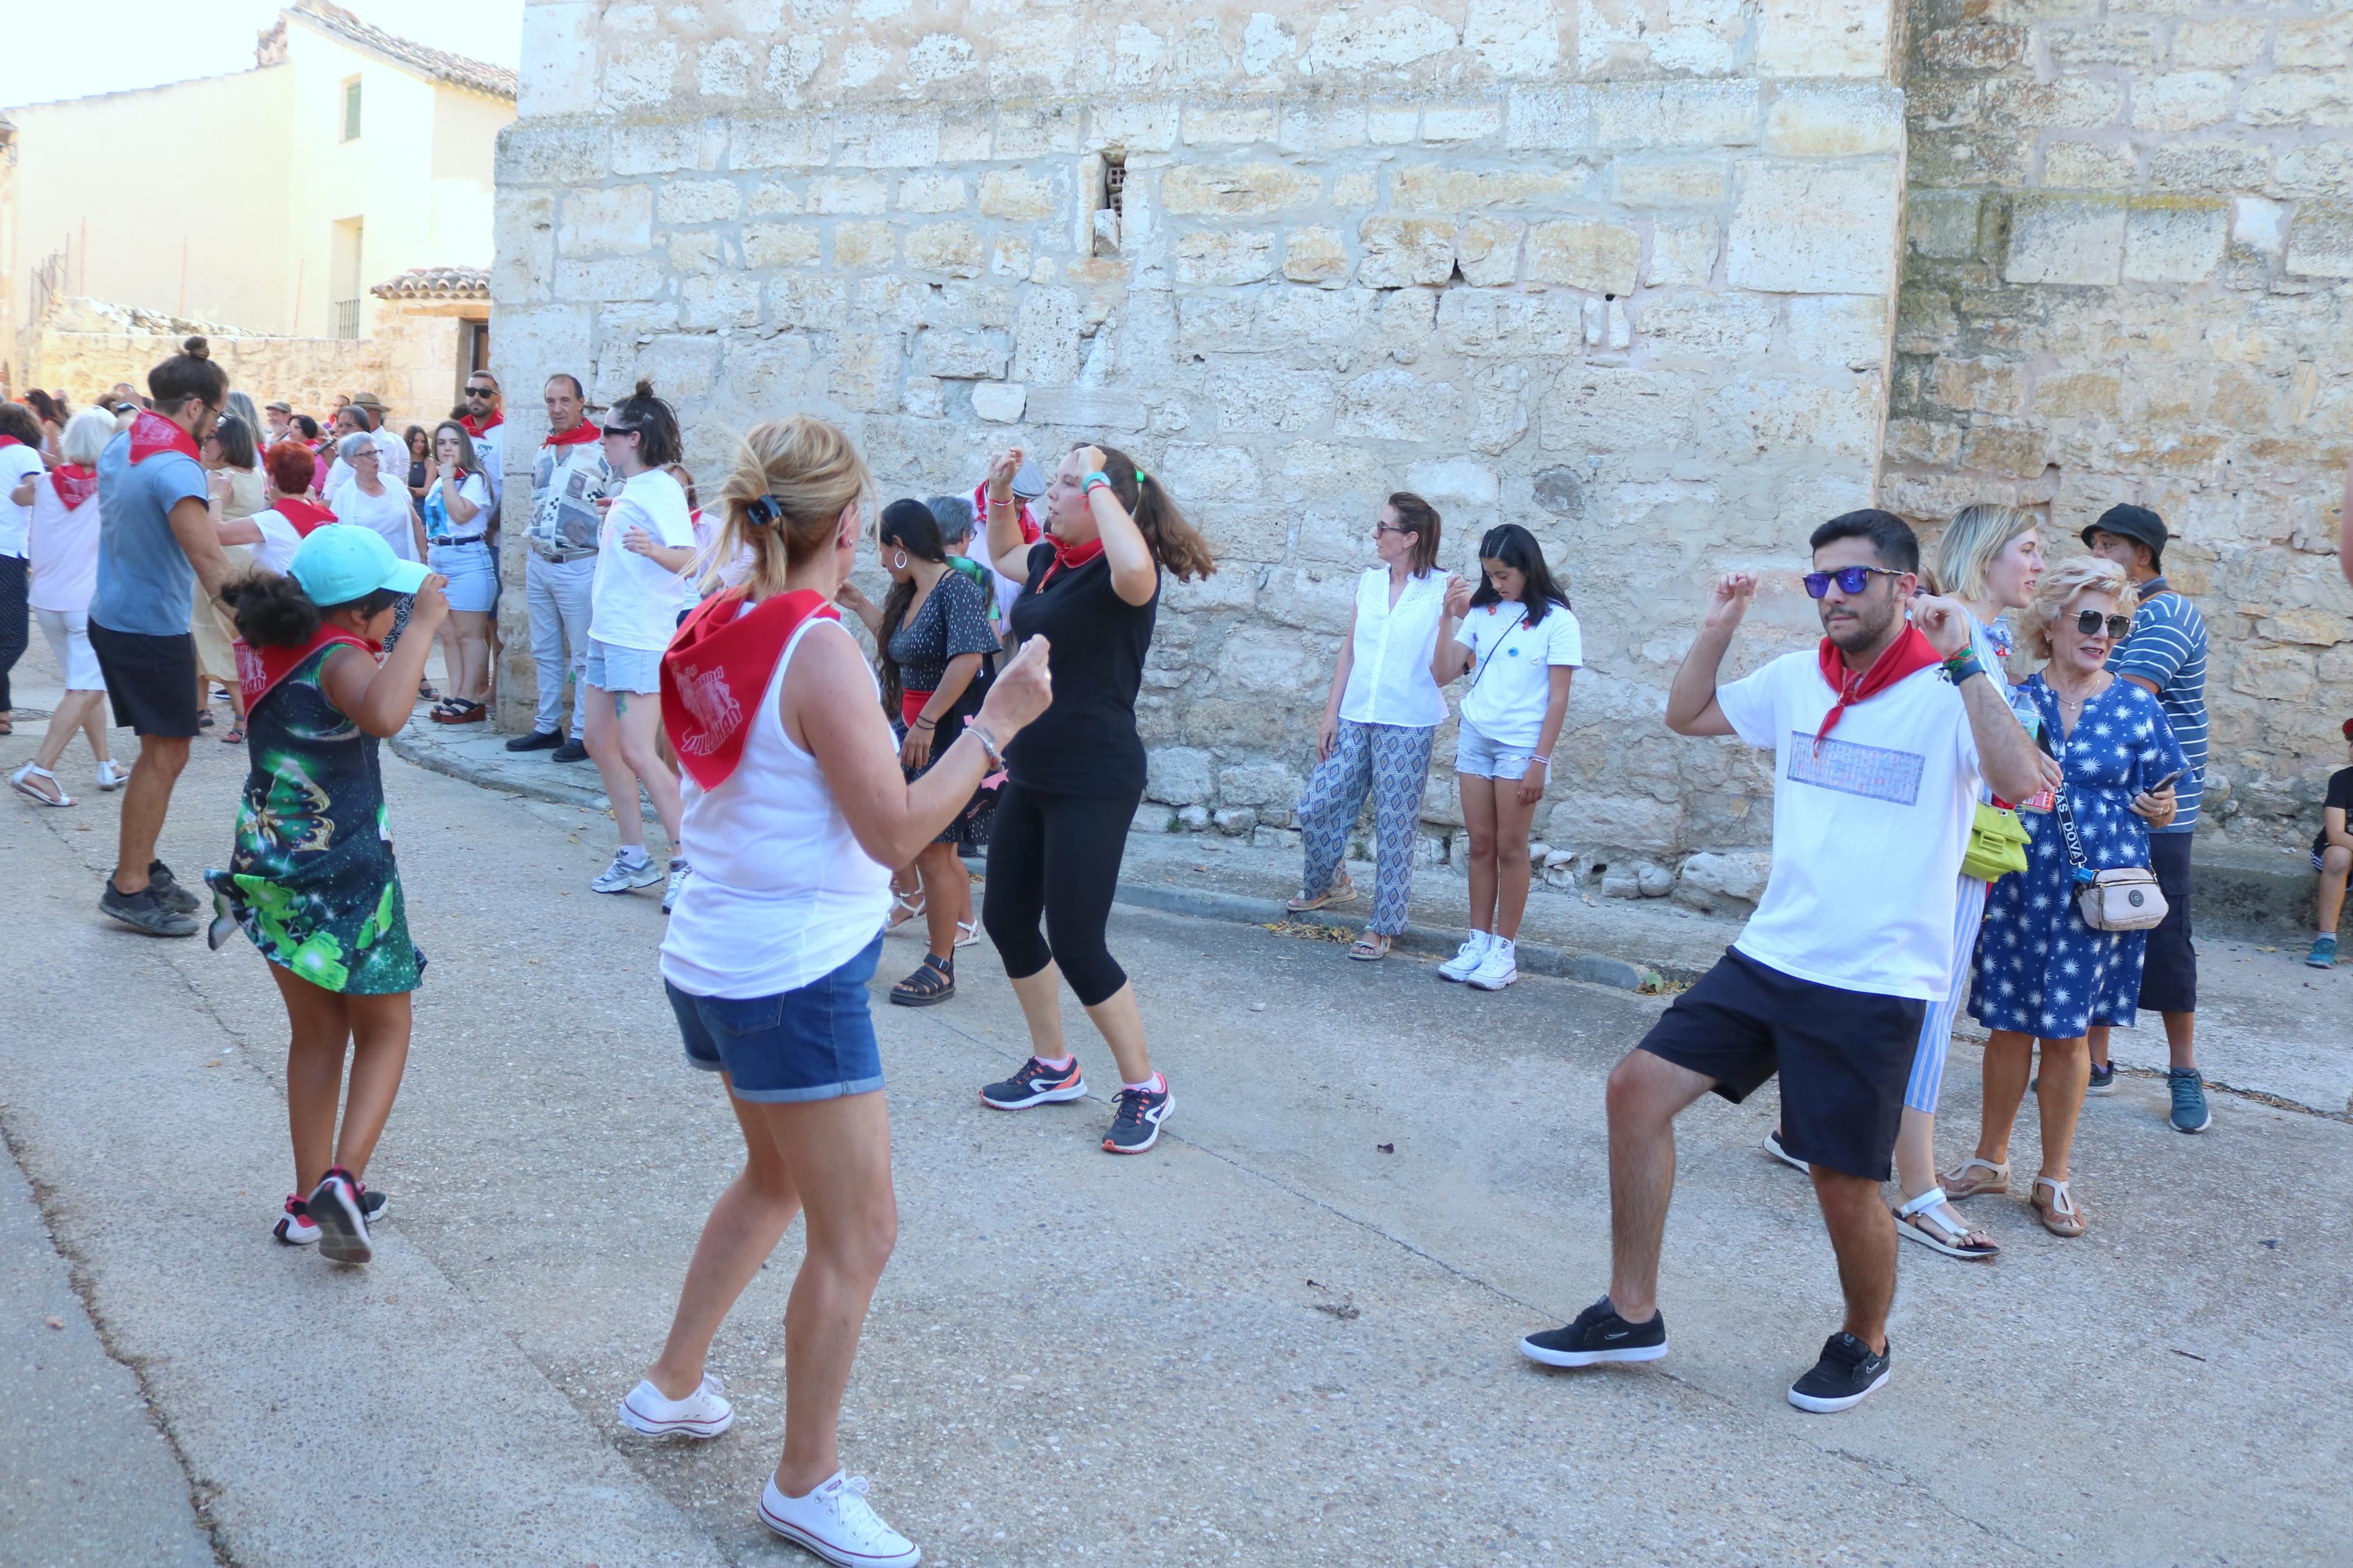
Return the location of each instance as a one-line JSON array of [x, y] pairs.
[[795, 809]]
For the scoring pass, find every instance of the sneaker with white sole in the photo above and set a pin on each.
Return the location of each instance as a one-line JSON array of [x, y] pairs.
[[1498, 968], [1135, 1121], [838, 1523], [1036, 1084], [1598, 1337], [625, 874], [1774, 1146], [294, 1228], [1849, 1372], [701, 1413], [334, 1206], [1466, 957], [679, 872]]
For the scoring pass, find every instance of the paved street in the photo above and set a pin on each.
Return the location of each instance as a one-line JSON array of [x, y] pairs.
[[1272, 1341]]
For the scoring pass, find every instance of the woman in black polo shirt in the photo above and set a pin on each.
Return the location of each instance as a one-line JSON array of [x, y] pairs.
[[1076, 776]]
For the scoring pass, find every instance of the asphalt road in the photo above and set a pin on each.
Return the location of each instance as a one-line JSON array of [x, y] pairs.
[[1272, 1341]]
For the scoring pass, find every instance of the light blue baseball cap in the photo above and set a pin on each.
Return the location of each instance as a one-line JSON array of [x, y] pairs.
[[342, 562]]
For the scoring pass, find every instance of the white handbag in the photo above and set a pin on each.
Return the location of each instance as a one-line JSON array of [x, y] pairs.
[[2125, 898]]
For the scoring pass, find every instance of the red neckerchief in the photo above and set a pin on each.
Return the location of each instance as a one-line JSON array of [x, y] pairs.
[[301, 515], [716, 671], [1071, 556], [1031, 533], [258, 670], [1907, 655], [584, 431], [151, 433], [9, 441], [74, 483], [474, 429]]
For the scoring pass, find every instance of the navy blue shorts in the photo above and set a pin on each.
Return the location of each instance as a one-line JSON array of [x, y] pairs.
[[816, 1043], [1843, 1057]]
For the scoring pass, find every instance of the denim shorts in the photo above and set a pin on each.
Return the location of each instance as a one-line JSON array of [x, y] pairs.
[[473, 574], [614, 669], [1483, 758], [815, 1043]]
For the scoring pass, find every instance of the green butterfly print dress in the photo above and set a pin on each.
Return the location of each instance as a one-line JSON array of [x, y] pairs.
[[313, 880]]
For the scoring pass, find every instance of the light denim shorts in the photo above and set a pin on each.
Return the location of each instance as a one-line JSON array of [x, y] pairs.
[[635, 669], [1483, 758], [473, 574]]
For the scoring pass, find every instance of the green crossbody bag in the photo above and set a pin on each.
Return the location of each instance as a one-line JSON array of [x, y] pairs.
[[1997, 844]]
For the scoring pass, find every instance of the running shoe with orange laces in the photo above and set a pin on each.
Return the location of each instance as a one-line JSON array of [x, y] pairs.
[[1036, 1084]]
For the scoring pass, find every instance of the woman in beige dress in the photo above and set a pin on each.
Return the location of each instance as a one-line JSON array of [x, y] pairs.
[[238, 490]]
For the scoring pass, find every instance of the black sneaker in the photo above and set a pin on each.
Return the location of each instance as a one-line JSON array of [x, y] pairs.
[[335, 1208], [1035, 1084], [145, 910], [1849, 1372], [167, 887], [371, 1207], [1598, 1337], [570, 752], [1136, 1122], [2104, 1078], [537, 740]]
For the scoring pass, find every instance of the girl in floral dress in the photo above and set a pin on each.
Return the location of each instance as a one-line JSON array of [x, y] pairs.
[[311, 881]]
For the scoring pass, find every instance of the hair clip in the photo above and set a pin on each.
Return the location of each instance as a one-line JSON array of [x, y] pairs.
[[765, 512]]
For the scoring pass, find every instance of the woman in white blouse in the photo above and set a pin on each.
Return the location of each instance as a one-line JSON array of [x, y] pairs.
[[1384, 710]]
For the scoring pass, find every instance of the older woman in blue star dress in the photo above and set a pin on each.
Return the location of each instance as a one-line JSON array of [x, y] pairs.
[[2043, 974]]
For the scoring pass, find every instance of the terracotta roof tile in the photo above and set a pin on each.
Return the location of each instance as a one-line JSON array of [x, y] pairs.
[[474, 76], [437, 283]]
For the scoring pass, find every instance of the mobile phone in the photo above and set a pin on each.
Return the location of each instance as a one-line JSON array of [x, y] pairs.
[[2152, 789]]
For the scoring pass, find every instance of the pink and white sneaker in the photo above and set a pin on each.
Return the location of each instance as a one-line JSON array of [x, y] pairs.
[[294, 1228], [335, 1209], [835, 1522], [702, 1414]]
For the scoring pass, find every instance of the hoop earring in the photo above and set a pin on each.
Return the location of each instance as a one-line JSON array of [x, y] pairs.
[[901, 563]]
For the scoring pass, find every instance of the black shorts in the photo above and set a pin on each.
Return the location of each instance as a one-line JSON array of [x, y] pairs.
[[2168, 972], [151, 681], [1843, 1057]]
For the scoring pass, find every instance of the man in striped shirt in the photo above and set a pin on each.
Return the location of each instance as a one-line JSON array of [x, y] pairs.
[[2166, 655]]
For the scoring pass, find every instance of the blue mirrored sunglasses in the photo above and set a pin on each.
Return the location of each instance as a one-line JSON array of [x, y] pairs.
[[1850, 579]]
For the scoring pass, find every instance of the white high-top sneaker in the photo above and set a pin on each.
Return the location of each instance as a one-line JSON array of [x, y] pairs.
[[1499, 968], [1466, 958]]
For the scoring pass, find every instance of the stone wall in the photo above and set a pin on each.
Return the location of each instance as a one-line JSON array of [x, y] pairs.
[[305, 371], [1620, 271], [2129, 232]]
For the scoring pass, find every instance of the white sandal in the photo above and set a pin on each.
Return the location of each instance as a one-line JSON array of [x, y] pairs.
[[1920, 1221], [1962, 1184], [22, 779], [967, 932], [113, 775], [2060, 1216], [906, 906]]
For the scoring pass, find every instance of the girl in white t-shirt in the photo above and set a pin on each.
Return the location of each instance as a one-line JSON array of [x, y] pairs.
[[1518, 640], [634, 600], [62, 541]]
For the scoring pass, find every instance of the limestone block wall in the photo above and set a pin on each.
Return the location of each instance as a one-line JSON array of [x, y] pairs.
[[305, 371], [2129, 235], [1620, 271]]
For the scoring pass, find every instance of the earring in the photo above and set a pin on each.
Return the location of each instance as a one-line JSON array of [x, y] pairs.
[[900, 564]]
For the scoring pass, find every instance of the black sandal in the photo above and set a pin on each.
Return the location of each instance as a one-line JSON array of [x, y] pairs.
[[933, 983]]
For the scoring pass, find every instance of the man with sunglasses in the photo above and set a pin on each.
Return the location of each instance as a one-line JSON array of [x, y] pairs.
[[1879, 737], [2165, 655], [485, 421]]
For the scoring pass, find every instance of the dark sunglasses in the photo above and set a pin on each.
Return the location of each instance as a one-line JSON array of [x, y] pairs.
[[482, 392], [1850, 579], [2088, 623], [1393, 528]]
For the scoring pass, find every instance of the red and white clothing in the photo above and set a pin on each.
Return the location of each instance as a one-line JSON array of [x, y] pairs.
[[64, 541]]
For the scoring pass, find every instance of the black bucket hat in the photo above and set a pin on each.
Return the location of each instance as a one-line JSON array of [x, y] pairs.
[[2129, 521]]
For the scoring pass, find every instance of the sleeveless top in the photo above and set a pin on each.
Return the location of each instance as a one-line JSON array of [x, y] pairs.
[[781, 894]]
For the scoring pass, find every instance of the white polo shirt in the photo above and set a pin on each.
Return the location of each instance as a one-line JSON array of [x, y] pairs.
[[1388, 672]]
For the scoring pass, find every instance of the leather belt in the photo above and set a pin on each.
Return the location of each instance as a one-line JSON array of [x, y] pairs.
[[470, 538], [561, 557]]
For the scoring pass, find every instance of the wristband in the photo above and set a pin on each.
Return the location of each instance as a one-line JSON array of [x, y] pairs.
[[989, 745], [1963, 664], [923, 724], [1087, 485]]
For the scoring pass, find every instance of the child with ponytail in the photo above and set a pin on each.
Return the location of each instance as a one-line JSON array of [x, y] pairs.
[[312, 880]]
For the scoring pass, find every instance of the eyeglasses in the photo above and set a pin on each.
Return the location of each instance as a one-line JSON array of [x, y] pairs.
[[1391, 528], [2088, 622], [1850, 579]]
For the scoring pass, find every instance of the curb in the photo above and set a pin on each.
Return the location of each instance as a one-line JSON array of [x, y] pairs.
[[1555, 963], [1198, 903]]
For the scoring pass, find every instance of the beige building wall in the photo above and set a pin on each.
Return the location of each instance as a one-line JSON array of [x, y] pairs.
[[174, 198], [2130, 239], [1619, 271]]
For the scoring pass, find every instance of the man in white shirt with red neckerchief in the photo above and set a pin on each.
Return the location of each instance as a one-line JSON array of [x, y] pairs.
[[485, 422], [1879, 738], [569, 479]]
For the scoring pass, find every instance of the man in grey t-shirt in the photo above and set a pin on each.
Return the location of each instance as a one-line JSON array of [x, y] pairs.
[[156, 541]]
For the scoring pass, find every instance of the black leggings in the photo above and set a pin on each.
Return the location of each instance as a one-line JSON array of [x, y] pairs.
[[15, 627], [1057, 854]]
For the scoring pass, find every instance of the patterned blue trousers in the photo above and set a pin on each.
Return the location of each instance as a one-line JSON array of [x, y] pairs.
[[1391, 763]]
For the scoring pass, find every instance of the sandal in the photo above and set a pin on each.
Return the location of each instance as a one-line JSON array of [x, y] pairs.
[[111, 775], [457, 711], [2060, 1215], [22, 780], [906, 906], [424, 692], [1369, 948], [1962, 1184], [204, 719], [235, 736], [932, 983], [1920, 1221], [1342, 892], [967, 932]]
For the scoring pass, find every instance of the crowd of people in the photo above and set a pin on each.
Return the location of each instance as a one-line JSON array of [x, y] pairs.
[[1944, 837]]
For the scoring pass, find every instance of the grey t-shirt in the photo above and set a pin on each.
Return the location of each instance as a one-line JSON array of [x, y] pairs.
[[145, 584]]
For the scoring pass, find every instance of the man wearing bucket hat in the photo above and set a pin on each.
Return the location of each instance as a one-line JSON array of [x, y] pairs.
[[2165, 655]]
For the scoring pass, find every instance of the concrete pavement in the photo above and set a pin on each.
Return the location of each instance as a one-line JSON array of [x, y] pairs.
[[1270, 1342]]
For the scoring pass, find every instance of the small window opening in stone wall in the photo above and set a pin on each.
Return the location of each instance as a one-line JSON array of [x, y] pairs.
[[1114, 181]]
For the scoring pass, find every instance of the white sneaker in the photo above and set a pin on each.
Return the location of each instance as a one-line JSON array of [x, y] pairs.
[[679, 872], [623, 873], [1466, 958], [835, 1522], [294, 1228], [1498, 969], [702, 1414]]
